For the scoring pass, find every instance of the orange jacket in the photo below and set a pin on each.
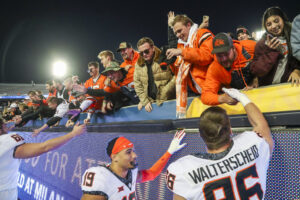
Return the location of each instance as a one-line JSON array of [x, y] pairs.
[[52, 94], [200, 57], [129, 76], [217, 76], [249, 46], [99, 84]]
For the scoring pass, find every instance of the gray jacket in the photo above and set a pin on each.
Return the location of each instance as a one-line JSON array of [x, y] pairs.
[[295, 37]]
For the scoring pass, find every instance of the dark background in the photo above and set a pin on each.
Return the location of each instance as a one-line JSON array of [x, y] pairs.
[[36, 33]]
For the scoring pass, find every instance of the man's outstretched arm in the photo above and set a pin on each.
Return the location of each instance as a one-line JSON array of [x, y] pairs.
[[155, 170], [29, 150], [256, 118]]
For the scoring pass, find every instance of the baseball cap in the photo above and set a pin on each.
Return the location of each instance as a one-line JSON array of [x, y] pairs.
[[242, 30], [113, 66], [124, 45], [222, 43], [13, 105]]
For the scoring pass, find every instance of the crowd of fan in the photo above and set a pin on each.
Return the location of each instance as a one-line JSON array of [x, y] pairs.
[[195, 62]]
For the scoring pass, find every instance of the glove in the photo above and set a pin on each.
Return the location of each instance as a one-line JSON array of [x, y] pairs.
[[236, 94], [175, 144]]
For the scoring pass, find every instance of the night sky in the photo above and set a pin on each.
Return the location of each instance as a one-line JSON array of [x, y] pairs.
[[36, 33]]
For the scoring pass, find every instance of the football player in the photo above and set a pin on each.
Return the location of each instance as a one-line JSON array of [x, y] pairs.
[[232, 168], [117, 181], [13, 148]]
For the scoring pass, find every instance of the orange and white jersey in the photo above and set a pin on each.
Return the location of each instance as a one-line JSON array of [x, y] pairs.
[[89, 104], [237, 173], [102, 181], [9, 166]]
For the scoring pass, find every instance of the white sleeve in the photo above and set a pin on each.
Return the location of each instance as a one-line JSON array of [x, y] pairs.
[[175, 181], [61, 110], [93, 182], [9, 142], [251, 137], [85, 104]]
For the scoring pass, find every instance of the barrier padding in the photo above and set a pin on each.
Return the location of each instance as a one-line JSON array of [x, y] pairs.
[[57, 174], [126, 114]]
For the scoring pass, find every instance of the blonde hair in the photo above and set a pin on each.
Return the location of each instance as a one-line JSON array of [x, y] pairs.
[[145, 40], [107, 53], [183, 19]]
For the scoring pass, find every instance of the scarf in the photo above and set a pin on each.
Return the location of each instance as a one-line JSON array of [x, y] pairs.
[[183, 72]]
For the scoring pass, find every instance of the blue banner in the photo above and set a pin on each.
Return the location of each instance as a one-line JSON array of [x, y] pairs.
[[56, 175]]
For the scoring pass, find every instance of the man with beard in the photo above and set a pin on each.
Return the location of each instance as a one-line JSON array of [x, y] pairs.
[[118, 180], [130, 58], [52, 90], [226, 70]]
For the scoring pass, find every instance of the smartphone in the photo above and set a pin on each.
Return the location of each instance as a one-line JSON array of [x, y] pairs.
[[270, 36]]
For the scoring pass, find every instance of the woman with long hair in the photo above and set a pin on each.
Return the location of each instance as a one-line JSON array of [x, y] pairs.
[[273, 62]]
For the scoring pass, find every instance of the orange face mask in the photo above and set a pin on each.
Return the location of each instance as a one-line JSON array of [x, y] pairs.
[[121, 144]]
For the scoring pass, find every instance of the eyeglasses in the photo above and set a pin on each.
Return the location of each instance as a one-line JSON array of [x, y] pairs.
[[90, 70], [145, 52]]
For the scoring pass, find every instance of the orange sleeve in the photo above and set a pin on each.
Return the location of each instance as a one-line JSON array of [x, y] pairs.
[[249, 46], [112, 88], [129, 77], [155, 170], [211, 87], [86, 84], [201, 56]]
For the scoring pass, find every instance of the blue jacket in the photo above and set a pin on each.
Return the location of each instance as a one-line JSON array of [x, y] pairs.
[[295, 37]]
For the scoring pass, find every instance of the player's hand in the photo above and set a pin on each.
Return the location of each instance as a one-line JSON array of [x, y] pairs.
[[236, 94], [175, 144], [171, 17], [173, 52], [148, 107], [294, 77], [79, 129], [225, 98], [35, 132], [79, 88]]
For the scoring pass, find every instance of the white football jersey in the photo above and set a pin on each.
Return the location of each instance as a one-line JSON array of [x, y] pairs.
[[101, 180], [237, 173], [61, 109], [9, 166]]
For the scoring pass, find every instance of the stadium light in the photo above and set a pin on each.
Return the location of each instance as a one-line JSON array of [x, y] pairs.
[[259, 34], [59, 68]]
